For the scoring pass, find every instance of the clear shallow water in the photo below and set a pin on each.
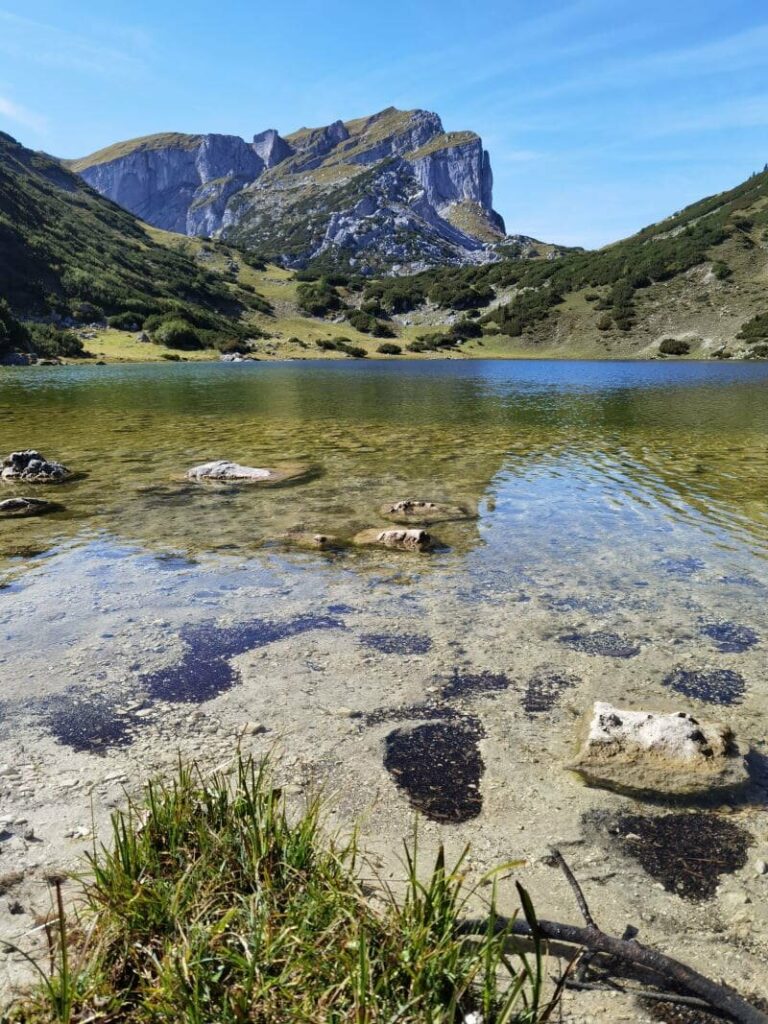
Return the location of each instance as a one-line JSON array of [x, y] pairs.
[[622, 499]]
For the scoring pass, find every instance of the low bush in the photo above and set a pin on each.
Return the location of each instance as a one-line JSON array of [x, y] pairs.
[[12, 333], [177, 334], [52, 342], [128, 321], [674, 347], [388, 349]]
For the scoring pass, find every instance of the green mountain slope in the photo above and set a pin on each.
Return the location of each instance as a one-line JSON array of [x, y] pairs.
[[687, 285], [69, 254]]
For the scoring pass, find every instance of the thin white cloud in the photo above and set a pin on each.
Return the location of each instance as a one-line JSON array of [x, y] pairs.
[[15, 112], [56, 47]]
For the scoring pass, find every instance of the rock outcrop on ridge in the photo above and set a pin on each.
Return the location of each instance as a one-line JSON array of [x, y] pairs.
[[390, 191]]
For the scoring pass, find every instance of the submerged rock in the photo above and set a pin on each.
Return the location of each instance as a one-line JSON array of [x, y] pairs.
[[313, 541], [663, 754], [32, 468], [416, 511], [20, 508], [402, 540], [223, 471]]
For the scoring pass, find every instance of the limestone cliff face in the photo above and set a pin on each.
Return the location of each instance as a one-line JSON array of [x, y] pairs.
[[390, 189]]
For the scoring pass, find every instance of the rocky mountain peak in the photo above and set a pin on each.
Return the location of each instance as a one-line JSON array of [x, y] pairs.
[[390, 188]]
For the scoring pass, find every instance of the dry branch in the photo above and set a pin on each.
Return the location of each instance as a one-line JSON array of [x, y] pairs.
[[595, 940]]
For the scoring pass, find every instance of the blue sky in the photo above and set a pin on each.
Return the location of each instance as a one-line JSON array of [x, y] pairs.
[[601, 116]]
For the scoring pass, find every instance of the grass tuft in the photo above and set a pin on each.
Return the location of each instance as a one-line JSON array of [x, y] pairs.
[[212, 903]]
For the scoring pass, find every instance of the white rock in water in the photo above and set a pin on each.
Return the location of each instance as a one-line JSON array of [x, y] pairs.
[[223, 470], [643, 751]]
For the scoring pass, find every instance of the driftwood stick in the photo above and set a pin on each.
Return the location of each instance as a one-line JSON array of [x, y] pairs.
[[640, 993], [578, 892], [716, 996]]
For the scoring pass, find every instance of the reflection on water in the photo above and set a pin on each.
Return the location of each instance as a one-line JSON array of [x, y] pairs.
[[583, 448]]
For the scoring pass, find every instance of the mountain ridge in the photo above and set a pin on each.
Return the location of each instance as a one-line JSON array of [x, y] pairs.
[[392, 190]]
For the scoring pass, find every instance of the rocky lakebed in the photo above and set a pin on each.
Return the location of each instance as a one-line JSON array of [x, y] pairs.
[[566, 656]]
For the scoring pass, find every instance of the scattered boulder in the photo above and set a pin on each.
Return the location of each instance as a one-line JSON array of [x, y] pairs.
[[313, 541], [412, 510], [19, 508], [401, 540], [644, 752], [31, 467], [222, 471]]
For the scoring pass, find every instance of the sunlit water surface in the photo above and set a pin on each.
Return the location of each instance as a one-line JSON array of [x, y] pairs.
[[627, 499]]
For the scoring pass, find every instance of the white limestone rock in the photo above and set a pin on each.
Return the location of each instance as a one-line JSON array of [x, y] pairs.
[[223, 471], [656, 753]]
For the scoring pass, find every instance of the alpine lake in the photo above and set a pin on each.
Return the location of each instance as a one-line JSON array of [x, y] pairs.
[[616, 550]]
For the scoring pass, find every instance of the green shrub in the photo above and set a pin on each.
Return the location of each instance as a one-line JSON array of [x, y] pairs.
[[760, 350], [12, 333], [721, 270], [128, 321], [177, 334], [52, 342], [388, 349], [318, 297], [605, 323], [754, 330], [674, 347], [361, 321]]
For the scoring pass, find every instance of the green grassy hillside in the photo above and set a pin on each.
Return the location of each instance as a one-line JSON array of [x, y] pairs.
[[693, 284], [70, 255]]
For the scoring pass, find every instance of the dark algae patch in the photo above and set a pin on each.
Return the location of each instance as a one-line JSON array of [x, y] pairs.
[[466, 684], [544, 690], [410, 713], [716, 686], [90, 724], [397, 643], [729, 637], [439, 767], [205, 671], [609, 645], [687, 853], [682, 567]]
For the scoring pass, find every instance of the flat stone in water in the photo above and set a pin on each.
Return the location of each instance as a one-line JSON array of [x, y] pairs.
[[464, 684], [544, 690], [716, 686], [439, 767], [89, 724], [609, 645], [397, 643], [729, 637], [204, 672], [687, 853]]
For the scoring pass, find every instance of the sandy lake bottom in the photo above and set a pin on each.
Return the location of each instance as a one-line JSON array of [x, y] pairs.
[[616, 550]]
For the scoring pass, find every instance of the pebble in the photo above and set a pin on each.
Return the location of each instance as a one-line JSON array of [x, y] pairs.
[[761, 867], [252, 728]]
